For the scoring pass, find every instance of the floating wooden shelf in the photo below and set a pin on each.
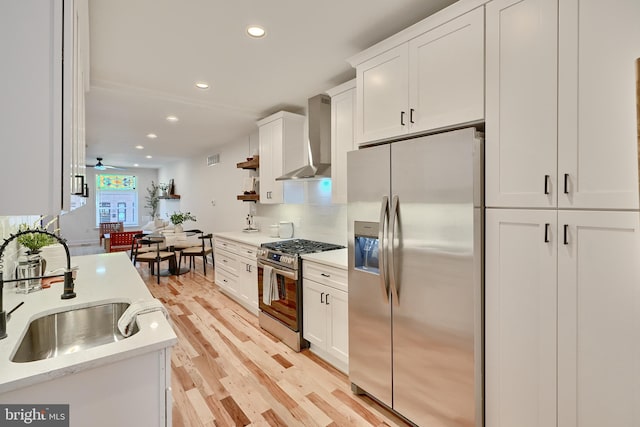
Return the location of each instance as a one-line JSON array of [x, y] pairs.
[[252, 163], [170, 197], [249, 197]]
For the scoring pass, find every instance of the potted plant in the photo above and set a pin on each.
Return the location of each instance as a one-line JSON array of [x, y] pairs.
[[163, 188], [153, 200], [32, 264], [34, 241], [178, 218]]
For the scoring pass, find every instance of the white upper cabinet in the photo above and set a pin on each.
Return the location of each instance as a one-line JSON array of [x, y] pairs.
[[382, 88], [429, 77], [41, 116], [561, 128], [281, 150], [599, 45], [31, 108], [343, 110], [446, 74], [521, 101]]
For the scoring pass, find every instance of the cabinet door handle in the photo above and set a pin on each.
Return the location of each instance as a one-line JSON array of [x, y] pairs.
[[566, 234], [402, 113], [326, 299], [411, 115], [325, 275], [566, 183], [546, 184], [546, 232], [321, 297]]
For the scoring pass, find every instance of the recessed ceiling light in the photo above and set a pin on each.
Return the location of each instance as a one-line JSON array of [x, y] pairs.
[[136, 165], [152, 136], [172, 119], [202, 85], [140, 147], [256, 31], [149, 157]]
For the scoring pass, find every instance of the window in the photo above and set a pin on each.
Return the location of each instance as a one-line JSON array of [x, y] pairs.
[[116, 199]]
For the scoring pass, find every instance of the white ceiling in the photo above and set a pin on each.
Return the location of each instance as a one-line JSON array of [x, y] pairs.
[[146, 56]]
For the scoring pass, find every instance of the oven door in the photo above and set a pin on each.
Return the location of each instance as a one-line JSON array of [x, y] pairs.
[[283, 304]]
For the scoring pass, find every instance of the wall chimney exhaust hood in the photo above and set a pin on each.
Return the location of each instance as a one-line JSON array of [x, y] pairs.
[[319, 142]]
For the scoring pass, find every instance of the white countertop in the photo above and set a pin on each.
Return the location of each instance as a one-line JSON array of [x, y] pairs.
[[101, 279], [254, 238], [337, 258]]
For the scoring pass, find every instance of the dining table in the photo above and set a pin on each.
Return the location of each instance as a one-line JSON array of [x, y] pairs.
[[174, 242]]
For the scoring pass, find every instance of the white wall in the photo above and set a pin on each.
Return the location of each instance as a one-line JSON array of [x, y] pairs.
[[308, 203], [79, 226], [209, 192]]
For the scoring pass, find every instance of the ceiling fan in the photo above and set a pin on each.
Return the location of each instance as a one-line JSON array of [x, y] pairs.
[[100, 166]]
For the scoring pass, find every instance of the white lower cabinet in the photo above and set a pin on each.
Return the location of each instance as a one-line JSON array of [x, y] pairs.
[[520, 318], [562, 315], [237, 272], [325, 312], [134, 391]]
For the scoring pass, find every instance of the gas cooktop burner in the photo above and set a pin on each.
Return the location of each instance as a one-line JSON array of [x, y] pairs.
[[300, 246]]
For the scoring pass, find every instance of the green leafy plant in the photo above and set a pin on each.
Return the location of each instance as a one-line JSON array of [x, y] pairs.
[[153, 199], [178, 218], [34, 241]]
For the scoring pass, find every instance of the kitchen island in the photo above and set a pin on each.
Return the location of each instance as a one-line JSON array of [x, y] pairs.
[[127, 382]]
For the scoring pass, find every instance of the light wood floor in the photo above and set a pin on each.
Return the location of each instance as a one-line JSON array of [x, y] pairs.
[[227, 371]]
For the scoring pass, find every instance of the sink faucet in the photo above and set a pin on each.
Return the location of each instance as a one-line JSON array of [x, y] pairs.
[[68, 292]]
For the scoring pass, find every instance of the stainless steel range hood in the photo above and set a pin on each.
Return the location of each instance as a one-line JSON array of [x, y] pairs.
[[319, 142]]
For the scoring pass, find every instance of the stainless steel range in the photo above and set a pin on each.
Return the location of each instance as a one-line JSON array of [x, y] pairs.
[[280, 287]]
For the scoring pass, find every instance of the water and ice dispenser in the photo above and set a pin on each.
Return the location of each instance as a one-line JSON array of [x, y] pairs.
[[366, 246]]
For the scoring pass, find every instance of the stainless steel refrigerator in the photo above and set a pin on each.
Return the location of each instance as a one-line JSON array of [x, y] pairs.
[[415, 217]]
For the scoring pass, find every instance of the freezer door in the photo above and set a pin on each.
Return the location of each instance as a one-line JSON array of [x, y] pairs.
[[368, 177], [436, 234]]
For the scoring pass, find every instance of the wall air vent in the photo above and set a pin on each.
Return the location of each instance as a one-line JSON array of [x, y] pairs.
[[213, 159]]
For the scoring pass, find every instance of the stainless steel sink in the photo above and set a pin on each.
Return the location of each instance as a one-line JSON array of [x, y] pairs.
[[71, 331]]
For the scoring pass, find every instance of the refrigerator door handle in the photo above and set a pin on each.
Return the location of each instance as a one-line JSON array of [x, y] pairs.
[[392, 260], [382, 232]]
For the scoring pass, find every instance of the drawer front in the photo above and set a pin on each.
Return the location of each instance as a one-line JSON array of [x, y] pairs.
[[225, 280], [228, 261], [226, 245], [247, 251], [327, 275]]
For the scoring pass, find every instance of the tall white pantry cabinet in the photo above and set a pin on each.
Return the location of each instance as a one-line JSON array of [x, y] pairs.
[[562, 281]]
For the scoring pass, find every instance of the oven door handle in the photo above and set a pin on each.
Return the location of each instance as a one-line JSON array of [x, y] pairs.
[[289, 274]]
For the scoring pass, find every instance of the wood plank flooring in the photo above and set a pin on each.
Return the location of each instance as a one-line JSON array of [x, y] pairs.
[[227, 371]]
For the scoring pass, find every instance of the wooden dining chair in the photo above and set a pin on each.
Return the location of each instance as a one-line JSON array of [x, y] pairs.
[[198, 251], [152, 257], [110, 227]]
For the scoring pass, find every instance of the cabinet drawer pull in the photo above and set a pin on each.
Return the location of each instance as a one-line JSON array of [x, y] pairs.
[[402, 113], [566, 183], [566, 234], [326, 299], [546, 184], [325, 275], [546, 232], [411, 115], [321, 297]]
